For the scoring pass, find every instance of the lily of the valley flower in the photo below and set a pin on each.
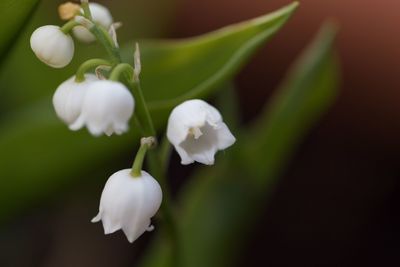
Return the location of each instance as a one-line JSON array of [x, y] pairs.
[[107, 108], [197, 131], [101, 15], [69, 96], [128, 203], [52, 46]]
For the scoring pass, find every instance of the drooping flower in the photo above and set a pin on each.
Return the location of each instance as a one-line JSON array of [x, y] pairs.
[[128, 203], [101, 15], [69, 96], [107, 108], [52, 46], [197, 131]]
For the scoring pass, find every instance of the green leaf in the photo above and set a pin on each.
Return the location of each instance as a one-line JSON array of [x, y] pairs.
[[308, 90], [221, 204], [13, 15], [42, 156], [174, 71]]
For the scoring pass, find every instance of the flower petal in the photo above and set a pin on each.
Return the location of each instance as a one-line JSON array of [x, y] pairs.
[[185, 158], [97, 218], [205, 157], [225, 137], [77, 124]]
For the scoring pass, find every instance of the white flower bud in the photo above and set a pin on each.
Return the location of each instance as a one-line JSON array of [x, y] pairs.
[[197, 131], [100, 15], [128, 203], [52, 46], [69, 96], [107, 108]]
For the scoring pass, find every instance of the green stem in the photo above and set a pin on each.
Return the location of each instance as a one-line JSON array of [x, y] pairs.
[[142, 112], [144, 118], [107, 43], [86, 9], [102, 35], [142, 109], [165, 153], [166, 207], [123, 68], [158, 168], [67, 27], [138, 163], [88, 65]]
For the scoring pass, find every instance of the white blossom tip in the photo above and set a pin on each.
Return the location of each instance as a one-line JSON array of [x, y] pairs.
[[96, 219], [117, 25]]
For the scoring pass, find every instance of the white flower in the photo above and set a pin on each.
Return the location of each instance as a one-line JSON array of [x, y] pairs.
[[101, 15], [107, 108], [52, 46], [197, 131], [69, 96], [128, 203]]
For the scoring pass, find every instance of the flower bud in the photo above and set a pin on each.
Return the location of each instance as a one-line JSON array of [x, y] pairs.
[[68, 10], [69, 96], [128, 203], [52, 46], [101, 15], [107, 108], [197, 132]]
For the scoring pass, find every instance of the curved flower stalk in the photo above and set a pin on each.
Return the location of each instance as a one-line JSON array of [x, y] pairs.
[[197, 131], [128, 203], [107, 108], [69, 96], [52, 46]]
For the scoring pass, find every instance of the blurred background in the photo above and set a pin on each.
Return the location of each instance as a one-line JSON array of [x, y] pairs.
[[337, 202]]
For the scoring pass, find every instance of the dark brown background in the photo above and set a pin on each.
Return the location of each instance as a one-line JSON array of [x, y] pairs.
[[338, 204]]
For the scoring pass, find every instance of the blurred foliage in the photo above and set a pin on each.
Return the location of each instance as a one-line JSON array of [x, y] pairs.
[[43, 156], [13, 15], [221, 204]]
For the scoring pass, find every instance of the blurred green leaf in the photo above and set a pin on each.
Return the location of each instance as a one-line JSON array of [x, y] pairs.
[[221, 204], [175, 71], [41, 155], [308, 90], [13, 15]]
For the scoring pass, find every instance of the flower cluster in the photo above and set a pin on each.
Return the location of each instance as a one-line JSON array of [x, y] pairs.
[[100, 96]]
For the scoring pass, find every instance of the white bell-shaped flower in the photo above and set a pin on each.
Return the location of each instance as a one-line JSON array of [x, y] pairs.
[[69, 96], [128, 203], [52, 46], [101, 15], [197, 131], [107, 108]]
